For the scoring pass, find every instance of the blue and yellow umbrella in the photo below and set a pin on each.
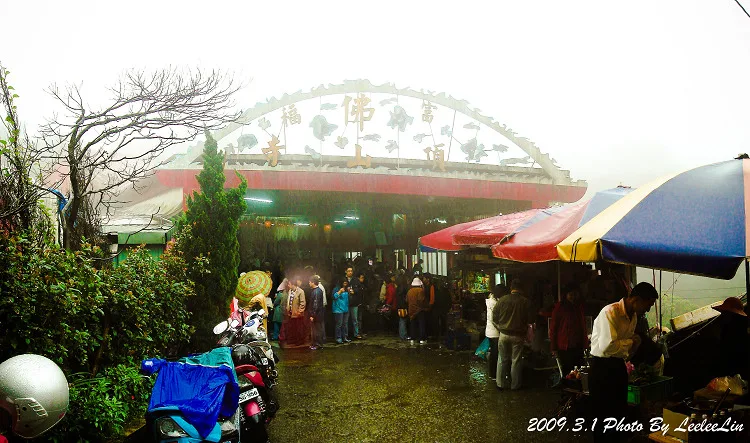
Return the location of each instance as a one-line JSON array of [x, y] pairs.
[[694, 222]]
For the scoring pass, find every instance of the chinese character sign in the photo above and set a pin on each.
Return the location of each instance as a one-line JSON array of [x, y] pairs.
[[291, 116], [384, 122], [438, 156], [359, 111], [272, 151], [358, 160], [427, 108]]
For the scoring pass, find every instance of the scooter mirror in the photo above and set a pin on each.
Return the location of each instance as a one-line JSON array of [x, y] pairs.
[[262, 313], [235, 323], [221, 327]]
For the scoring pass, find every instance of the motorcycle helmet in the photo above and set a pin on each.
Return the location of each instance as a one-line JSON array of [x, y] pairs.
[[242, 354], [34, 393]]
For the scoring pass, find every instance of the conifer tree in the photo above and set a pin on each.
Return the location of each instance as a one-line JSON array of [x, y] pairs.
[[212, 217]]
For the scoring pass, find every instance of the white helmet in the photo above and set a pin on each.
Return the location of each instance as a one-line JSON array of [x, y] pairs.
[[34, 391]]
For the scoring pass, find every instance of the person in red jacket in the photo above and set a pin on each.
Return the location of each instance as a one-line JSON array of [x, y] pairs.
[[567, 330]]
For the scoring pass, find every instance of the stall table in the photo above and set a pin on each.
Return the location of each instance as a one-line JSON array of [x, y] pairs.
[[658, 436]]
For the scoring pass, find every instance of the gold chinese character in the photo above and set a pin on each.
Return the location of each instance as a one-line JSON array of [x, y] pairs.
[[272, 151], [438, 156], [358, 160], [427, 113], [291, 117], [359, 111]]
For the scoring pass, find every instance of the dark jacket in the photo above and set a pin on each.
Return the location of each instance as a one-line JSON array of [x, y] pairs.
[[360, 290], [512, 314], [442, 300], [315, 305], [734, 346], [401, 301]]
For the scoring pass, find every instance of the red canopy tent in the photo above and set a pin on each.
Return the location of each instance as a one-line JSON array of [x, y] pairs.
[[492, 230], [538, 242], [442, 240], [484, 232], [529, 236]]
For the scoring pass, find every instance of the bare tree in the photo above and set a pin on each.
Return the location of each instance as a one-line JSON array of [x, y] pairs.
[[102, 149], [20, 174]]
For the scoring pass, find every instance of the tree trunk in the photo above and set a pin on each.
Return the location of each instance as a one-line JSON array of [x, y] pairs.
[[102, 346], [75, 204]]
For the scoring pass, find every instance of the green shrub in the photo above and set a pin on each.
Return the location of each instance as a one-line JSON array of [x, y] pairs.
[[97, 324], [101, 406], [145, 314], [50, 303], [56, 303]]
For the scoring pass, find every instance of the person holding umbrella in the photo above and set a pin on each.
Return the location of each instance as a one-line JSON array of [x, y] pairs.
[[252, 288]]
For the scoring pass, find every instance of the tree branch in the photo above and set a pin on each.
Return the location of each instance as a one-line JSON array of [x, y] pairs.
[[122, 141]]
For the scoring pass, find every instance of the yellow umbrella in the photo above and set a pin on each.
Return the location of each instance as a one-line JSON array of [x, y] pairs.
[[584, 244], [252, 288]]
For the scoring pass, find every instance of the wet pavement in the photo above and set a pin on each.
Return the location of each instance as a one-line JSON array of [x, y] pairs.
[[384, 390]]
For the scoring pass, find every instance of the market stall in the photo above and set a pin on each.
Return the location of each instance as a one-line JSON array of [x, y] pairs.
[[523, 245], [692, 222]]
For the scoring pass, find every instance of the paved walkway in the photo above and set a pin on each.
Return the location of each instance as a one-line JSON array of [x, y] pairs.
[[384, 390]]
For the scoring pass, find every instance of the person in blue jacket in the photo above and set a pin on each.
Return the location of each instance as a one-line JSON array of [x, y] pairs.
[[341, 311]]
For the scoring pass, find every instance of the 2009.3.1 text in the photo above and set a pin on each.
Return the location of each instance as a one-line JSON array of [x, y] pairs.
[[559, 425]]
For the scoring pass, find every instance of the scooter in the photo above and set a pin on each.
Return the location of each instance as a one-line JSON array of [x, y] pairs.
[[167, 423], [254, 362], [252, 334]]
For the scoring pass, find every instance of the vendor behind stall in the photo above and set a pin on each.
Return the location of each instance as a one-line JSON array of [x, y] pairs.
[[568, 330], [734, 345], [613, 341]]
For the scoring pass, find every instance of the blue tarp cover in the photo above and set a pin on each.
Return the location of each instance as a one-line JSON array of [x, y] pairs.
[[203, 387]]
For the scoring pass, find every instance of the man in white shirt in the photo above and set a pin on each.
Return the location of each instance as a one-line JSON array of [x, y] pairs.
[[613, 342]]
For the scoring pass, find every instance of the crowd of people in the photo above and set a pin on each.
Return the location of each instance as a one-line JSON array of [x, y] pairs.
[[406, 302], [409, 304], [515, 320]]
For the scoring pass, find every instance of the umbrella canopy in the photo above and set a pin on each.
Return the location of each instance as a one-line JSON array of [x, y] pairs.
[[251, 284], [483, 232], [442, 240], [492, 230], [693, 222], [537, 242]]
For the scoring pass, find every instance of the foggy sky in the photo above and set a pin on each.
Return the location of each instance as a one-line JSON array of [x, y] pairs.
[[617, 92]]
